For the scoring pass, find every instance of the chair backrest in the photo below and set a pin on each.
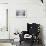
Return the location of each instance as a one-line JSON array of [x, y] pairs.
[[33, 28]]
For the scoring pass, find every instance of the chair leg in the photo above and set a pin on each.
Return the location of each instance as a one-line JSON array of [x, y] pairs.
[[20, 42], [32, 42]]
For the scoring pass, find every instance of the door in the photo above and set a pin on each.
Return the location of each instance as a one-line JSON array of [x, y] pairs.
[[4, 34]]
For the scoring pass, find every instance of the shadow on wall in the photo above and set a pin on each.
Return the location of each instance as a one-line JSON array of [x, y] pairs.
[[41, 34]]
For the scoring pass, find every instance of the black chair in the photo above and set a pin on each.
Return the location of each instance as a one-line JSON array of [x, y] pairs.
[[32, 29]]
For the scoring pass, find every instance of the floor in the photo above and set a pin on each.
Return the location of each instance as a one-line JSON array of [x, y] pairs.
[[5, 44], [23, 44], [26, 44]]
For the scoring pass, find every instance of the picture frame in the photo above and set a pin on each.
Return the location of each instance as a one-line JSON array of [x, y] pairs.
[[20, 13]]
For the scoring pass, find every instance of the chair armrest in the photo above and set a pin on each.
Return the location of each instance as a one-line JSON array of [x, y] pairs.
[[22, 35], [24, 32]]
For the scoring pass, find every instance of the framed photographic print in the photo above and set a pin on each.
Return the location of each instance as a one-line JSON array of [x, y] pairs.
[[20, 13]]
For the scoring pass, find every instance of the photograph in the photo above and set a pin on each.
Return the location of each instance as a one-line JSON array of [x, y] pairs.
[[20, 13]]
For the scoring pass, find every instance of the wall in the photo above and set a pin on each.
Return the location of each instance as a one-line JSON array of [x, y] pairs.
[[3, 1], [35, 12]]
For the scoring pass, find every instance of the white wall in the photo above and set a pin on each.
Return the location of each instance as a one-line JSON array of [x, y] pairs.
[[3, 1], [35, 12]]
